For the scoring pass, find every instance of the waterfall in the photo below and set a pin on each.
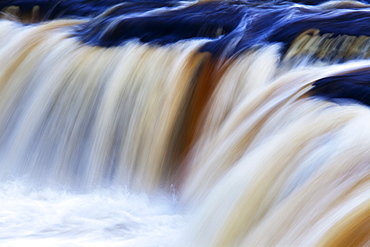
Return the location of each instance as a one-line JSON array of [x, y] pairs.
[[166, 123]]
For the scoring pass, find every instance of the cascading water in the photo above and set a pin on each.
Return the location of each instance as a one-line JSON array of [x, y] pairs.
[[211, 123]]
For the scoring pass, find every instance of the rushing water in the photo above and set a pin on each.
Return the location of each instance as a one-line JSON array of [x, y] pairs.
[[104, 217], [166, 123]]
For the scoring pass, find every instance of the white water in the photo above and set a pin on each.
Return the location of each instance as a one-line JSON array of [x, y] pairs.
[[34, 211], [104, 217], [269, 166]]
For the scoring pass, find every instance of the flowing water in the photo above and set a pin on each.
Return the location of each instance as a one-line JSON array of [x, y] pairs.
[[164, 123]]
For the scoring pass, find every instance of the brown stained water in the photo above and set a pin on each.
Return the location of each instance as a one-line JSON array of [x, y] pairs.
[[142, 145]]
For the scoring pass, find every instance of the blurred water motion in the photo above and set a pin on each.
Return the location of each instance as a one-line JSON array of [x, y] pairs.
[[166, 123]]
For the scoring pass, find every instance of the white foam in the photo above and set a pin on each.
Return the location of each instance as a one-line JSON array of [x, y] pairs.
[[104, 217]]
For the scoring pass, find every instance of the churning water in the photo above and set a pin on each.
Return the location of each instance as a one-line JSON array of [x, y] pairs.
[[104, 217]]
